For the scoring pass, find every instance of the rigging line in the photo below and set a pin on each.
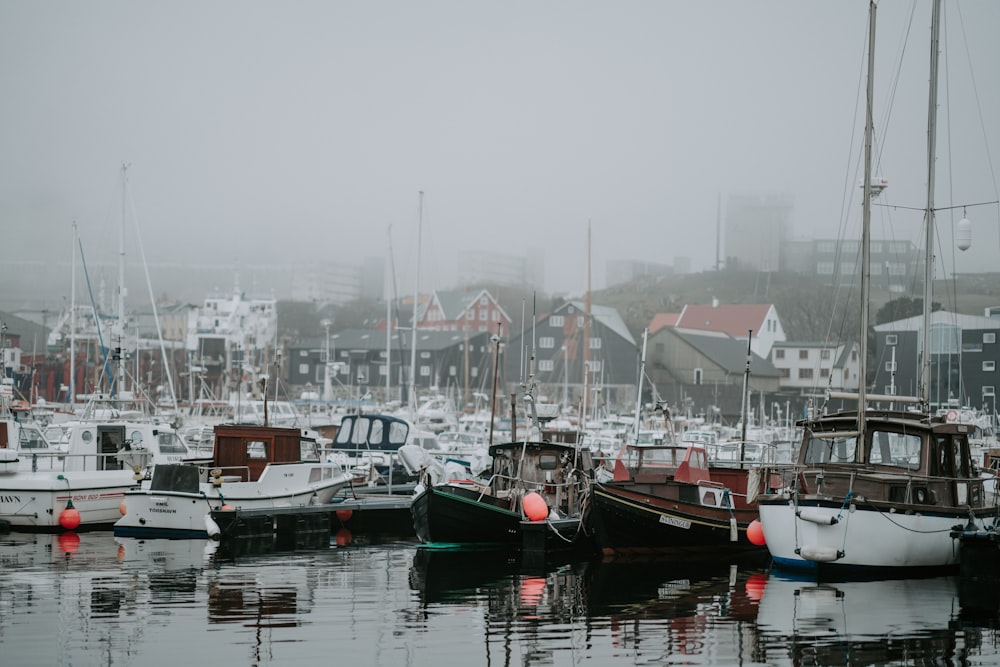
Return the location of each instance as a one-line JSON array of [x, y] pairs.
[[979, 110], [152, 301], [97, 316]]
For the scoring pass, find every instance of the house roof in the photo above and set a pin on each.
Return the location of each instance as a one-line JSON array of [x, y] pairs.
[[30, 333], [727, 352], [606, 315], [916, 322], [734, 319], [661, 320]]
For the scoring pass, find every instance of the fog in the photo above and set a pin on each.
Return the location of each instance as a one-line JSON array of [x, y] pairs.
[[270, 133]]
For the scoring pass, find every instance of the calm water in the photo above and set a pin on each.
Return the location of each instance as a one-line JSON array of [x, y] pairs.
[[94, 599]]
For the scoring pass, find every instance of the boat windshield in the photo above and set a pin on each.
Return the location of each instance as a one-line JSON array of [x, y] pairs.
[[821, 448]]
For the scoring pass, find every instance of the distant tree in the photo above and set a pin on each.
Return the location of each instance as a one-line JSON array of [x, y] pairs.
[[902, 308]]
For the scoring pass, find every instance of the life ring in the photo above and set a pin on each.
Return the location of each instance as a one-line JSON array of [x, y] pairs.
[[951, 416]]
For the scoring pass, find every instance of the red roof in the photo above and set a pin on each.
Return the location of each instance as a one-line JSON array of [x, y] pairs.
[[732, 319], [661, 320]]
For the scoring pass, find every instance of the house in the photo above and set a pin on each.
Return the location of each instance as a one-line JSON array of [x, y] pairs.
[[22, 351], [963, 363], [758, 321], [700, 369], [352, 362], [454, 310], [809, 369], [559, 348]]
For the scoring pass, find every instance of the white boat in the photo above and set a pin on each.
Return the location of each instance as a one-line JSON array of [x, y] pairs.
[[876, 490], [252, 467], [81, 480]]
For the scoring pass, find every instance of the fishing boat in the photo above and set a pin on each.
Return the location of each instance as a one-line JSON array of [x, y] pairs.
[[79, 481], [252, 467], [877, 490], [680, 499], [531, 498]]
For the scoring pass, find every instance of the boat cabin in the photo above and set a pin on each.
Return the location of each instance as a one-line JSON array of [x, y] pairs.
[[371, 432]]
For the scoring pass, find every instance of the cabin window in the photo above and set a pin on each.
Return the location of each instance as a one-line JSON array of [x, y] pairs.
[[30, 438], [397, 433], [256, 450], [895, 449], [170, 444], [830, 450], [377, 432], [548, 462], [309, 452]]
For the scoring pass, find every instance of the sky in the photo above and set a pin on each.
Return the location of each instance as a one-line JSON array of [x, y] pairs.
[[282, 132]]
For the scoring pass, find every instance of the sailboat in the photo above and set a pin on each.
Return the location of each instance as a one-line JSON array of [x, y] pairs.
[[877, 490]]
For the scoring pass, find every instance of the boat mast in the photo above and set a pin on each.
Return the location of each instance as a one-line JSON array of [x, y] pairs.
[[72, 327], [389, 289], [412, 398], [586, 338], [638, 393], [925, 357], [120, 384], [865, 235]]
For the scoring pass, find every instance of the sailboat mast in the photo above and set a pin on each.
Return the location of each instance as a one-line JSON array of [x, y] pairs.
[[72, 327], [586, 337], [925, 357], [389, 288], [866, 233], [120, 384], [412, 398]]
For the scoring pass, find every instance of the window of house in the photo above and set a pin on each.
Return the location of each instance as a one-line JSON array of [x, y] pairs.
[[824, 372], [595, 343], [545, 365], [546, 342], [698, 375], [890, 339], [824, 354], [425, 355], [483, 300], [805, 373], [989, 365], [484, 315], [803, 354], [303, 353], [452, 371], [303, 369], [556, 321], [988, 390], [779, 354], [890, 366], [990, 337], [786, 373], [425, 371]]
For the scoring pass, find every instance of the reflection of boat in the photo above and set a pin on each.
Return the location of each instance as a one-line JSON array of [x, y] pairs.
[[839, 623], [669, 499], [878, 489], [253, 467], [452, 575]]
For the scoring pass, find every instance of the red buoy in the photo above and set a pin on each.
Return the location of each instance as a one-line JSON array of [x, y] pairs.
[[345, 515], [755, 533], [69, 518], [534, 507]]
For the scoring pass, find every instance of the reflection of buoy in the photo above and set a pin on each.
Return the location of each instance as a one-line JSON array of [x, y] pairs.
[[345, 515], [534, 507], [532, 590], [121, 508], [755, 586], [343, 537], [121, 552], [755, 533], [69, 518], [69, 542]]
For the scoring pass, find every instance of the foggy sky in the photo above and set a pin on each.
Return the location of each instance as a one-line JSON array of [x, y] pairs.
[[273, 132]]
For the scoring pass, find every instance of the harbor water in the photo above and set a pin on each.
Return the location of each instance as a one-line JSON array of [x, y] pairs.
[[94, 599]]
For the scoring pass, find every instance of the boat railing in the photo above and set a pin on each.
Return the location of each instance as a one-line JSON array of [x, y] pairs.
[[738, 454], [60, 461]]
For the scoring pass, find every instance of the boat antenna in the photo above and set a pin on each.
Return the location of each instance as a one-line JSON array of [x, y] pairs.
[[72, 327], [495, 339], [638, 392]]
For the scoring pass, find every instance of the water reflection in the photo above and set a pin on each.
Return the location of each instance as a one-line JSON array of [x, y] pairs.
[[127, 601]]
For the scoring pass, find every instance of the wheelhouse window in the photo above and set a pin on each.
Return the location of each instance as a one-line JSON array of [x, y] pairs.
[[901, 450], [830, 448]]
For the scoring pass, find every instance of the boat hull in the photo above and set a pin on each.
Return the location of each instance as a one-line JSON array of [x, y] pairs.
[[177, 514], [35, 501], [624, 520], [458, 515], [817, 534]]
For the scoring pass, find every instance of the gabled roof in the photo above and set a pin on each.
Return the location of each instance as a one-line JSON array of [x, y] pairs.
[[661, 320], [27, 330], [606, 315], [453, 304], [734, 319], [727, 352]]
